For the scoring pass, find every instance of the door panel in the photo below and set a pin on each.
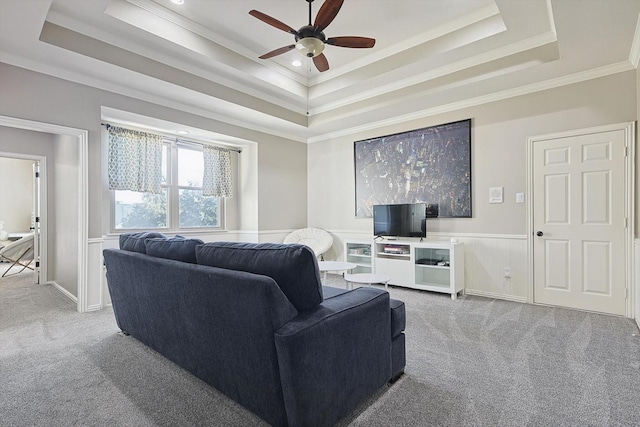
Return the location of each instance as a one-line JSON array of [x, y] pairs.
[[579, 216]]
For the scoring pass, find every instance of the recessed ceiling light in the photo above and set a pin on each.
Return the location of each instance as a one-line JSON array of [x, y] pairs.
[[177, 1], [296, 63], [183, 132]]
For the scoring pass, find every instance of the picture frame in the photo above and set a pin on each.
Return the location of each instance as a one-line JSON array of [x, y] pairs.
[[429, 165]]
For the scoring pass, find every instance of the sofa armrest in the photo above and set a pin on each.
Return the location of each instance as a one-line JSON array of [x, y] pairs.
[[335, 356]]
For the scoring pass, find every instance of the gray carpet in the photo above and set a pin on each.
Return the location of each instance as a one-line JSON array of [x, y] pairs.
[[473, 362]]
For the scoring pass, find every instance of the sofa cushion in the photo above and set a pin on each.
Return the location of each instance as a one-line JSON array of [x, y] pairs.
[[177, 248], [134, 242], [294, 267]]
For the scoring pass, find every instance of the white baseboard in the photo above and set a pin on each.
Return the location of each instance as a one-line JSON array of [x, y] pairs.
[[495, 295], [64, 291], [94, 307]]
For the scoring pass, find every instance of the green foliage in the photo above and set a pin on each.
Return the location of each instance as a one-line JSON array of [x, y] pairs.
[[197, 210], [151, 213]]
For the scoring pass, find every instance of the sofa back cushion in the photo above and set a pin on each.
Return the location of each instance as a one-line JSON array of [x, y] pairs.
[[177, 248], [134, 242], [294, 267]]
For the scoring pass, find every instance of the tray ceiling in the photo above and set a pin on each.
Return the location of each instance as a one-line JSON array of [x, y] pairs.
[[430, 56]]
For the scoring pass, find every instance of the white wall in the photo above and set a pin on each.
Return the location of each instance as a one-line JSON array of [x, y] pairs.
[[495, 236], [16, 194]]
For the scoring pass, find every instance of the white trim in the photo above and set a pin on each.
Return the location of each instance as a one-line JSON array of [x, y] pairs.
[[578, 77], [634, 53], [439, 235], [434, 73], [635, 292], [629, 130], [65, 292], [83, 196], [431, 34], [495, 295]]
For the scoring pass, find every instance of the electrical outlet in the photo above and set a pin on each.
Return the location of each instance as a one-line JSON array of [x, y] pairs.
[[507, 273]]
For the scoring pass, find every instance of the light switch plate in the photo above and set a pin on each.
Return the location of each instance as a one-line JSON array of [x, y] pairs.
[[519, 197]]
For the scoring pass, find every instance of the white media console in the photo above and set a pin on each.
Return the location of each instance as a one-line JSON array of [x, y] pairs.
[[427, 265]]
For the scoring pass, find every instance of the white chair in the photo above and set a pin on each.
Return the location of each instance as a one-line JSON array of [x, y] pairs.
[[19, 253], [318, 240]]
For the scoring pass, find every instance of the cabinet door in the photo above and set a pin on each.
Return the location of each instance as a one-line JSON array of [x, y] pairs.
[[399, 270], [433, 267], [361, 255]]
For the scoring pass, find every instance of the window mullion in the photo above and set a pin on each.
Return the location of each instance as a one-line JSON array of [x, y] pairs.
[[174, 193]]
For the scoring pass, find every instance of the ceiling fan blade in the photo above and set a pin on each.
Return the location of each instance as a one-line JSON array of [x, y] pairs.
[[272, 21], [354, 42], [321, 62], [327, 14], [277, 52]]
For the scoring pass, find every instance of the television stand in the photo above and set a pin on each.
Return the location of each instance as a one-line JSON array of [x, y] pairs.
[[426, 265]]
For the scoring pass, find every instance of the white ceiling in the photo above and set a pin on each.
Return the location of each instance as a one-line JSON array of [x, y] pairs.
[[430, 56]]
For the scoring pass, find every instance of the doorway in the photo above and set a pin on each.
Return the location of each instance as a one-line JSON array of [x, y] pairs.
[[80, 138], [581, 218], [22, 213]]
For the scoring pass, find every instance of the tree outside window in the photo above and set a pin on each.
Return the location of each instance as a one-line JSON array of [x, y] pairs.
[[181, 205]]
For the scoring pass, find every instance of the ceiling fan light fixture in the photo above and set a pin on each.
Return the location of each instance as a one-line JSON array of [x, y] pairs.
[[310, 47]]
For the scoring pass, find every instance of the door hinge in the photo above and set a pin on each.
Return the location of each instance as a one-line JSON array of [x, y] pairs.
[[37, 264], [626, 151], [37, 174], [626, 222], [37, 219]]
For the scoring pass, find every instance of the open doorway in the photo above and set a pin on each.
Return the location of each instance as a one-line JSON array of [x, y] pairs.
[[21, 219]]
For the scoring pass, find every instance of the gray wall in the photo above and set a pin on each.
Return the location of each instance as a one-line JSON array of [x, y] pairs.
[[63, 227], [280, 199], [499, 153]]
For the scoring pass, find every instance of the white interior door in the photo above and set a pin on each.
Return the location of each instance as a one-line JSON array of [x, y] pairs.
[[35, 221], [580, 222]]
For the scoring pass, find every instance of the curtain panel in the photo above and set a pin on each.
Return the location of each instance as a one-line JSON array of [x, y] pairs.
[[217, 172], [135, 160]]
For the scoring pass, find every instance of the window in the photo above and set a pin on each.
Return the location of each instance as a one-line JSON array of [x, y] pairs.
[[180, 205]]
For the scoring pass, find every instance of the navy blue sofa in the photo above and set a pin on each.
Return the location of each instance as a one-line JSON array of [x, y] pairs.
[[254, 321]]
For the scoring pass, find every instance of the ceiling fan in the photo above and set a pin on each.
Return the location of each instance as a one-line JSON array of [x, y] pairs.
[[310, 39]]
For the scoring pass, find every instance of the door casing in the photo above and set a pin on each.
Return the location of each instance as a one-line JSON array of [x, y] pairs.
[[629, 208]]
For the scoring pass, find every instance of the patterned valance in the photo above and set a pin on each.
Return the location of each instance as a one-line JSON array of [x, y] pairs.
[[217, 172], [135, 160]]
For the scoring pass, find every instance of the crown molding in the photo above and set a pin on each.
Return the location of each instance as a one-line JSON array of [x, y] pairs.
[[634, 54], [485, 99], [430, 74], [421, 38]]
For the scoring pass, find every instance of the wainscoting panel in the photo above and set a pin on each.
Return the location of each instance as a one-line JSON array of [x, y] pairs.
[[487, 257], [95, 275]]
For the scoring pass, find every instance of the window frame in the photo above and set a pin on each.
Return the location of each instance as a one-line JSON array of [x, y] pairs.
[[173, 188]]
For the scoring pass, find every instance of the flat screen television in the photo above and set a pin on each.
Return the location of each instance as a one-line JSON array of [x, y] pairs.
[[402, 220]]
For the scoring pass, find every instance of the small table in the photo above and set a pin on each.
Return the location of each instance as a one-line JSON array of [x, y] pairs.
[[325, 266], [367, 278]]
